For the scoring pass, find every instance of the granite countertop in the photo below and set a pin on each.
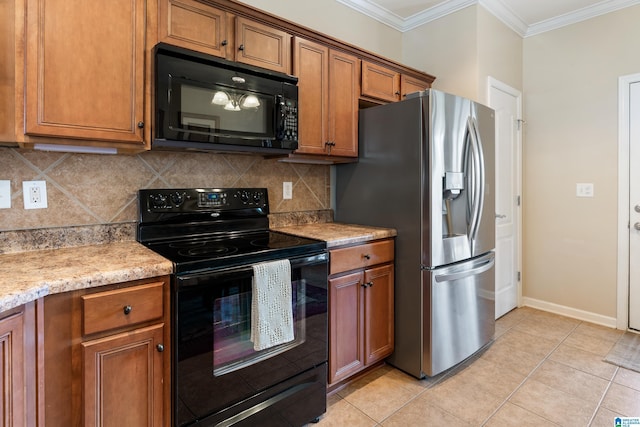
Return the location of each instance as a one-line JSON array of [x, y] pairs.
[[26, 276], [338, 234], [29, 275]]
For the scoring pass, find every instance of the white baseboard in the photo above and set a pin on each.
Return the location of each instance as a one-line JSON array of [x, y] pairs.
[[574, 313]]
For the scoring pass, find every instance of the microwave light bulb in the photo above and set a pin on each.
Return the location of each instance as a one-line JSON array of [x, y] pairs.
[[232, 106], [220, 98], [251, 101]]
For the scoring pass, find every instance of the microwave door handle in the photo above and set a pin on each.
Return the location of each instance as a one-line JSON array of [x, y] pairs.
[[280, 117]]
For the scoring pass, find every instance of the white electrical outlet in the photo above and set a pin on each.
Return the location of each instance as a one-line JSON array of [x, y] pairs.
[[34, 194], [5, 194], [287, 190], [584, 189]]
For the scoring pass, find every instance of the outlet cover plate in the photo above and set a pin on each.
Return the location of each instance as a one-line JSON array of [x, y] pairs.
[[287, 190], [34, 194], [5, 194]]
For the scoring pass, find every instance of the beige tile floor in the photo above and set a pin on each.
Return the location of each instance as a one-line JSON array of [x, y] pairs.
[[541, 370]]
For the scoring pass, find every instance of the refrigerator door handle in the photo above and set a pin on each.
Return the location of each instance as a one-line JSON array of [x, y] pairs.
[[478, 180], [487, 265]]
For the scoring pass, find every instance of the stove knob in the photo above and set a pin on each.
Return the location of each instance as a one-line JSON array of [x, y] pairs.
[[257, 197], [158, 200], [244, 196], [177, 198]]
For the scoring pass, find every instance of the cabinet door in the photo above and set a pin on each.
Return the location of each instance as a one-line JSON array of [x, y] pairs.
[[344, 89], [410, 85], [193, 25], [346, 326], [378, 313], [12, 371], [262, 46], [380, 82], [123, 377], [85, 69], [311, 66]]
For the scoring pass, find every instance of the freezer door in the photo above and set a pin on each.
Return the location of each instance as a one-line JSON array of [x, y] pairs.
[[459, 312]]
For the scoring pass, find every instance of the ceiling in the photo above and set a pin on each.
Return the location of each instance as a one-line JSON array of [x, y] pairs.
[[526, 17]]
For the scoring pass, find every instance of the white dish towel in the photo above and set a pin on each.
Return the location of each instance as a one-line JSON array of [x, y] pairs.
[[271, 312]]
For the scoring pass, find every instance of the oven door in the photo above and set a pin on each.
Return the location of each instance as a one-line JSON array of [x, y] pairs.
[[219, 377]]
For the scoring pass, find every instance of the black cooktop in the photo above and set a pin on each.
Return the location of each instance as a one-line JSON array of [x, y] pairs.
[[214, 252], [214, 228]]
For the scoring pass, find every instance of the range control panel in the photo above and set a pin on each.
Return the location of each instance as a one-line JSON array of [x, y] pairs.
[[195, 200]]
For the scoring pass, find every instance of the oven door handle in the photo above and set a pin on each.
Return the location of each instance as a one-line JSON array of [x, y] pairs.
[[197, 278]]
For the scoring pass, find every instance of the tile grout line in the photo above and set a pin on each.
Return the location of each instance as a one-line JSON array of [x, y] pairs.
[[595, 412]]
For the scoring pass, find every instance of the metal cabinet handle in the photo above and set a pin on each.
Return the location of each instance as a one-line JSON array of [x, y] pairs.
[[127, 309], [160, 348], [367, 285], [499, 216], [367, 256], [637, 226], [224, 43], [140, 125], [241, 47]]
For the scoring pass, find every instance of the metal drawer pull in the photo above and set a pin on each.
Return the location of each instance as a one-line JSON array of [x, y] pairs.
[[367, 256], [160, 348], [127, 309]]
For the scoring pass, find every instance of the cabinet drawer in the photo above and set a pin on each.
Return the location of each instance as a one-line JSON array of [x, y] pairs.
[[360, 256], [121, 307]]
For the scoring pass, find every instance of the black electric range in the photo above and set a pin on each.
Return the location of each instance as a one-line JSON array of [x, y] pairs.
[[214, 237]]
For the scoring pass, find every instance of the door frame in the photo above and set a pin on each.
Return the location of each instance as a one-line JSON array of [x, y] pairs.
[[624, 100], [497, 84]]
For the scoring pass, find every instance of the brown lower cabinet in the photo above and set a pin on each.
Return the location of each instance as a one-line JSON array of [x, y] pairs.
[[18, 367], [361, 308], [106, 356]]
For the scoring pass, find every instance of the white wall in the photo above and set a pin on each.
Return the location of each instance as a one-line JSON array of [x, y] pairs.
[[463, 49], [499, 54], [446, 48], [570, 93]]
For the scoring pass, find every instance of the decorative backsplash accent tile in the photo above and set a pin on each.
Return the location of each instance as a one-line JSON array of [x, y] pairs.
[[92, 189]]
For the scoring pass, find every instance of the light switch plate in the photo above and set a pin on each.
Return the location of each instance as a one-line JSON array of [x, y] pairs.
[[5, 194], [584, 189], [34, 194]]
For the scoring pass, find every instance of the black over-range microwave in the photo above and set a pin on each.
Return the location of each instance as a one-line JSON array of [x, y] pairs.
[[205, 103]]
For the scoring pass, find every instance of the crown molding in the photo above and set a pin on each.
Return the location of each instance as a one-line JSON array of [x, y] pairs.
[[495, 7], [579, 15]]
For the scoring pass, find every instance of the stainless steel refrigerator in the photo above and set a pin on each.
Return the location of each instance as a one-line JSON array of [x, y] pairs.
[[426, 168]]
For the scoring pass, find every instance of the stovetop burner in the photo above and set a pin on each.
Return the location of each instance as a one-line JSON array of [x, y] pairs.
[[201, 229]]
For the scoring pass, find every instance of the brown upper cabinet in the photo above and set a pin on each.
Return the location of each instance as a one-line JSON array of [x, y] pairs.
[[85, 75], [194, 25], [386, 84], [79, 75], [201, 27], [410, 84], [328, 88], [262, 46], [380, 82]]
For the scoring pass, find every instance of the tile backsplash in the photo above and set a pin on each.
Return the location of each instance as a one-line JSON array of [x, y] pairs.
[[94, 189]]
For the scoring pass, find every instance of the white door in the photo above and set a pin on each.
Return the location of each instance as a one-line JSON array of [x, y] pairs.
[[634, 205], [507, 102]]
